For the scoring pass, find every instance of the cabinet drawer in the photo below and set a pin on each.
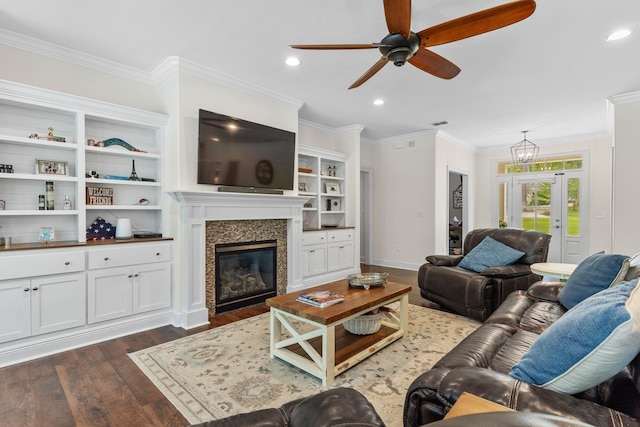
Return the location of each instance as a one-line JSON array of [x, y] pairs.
[[122, 255], [340, 235], [314, 237], [41, 264]]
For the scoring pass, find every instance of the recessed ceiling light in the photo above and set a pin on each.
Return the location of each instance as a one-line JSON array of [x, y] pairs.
[[620, 34], [378, 102], [292, 61]]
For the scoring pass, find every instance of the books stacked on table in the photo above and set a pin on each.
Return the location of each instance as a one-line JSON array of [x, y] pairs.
[[321, 298]]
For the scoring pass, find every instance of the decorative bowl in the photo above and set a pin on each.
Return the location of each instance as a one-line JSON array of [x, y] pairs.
[[368, 280]]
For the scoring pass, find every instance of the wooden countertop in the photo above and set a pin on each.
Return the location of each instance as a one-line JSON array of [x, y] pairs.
[[73, 243]]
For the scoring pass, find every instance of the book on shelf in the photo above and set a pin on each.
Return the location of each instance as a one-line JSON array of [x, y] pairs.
[[321, 298]]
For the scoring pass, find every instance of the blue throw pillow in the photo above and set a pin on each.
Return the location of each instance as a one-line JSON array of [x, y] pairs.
[[591, 343], [597, 272], [489, 253]]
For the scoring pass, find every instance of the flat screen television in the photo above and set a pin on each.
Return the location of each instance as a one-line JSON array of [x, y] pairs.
[[235, 152]]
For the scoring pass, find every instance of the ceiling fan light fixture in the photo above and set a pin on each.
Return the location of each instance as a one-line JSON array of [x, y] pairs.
[[399, 56]]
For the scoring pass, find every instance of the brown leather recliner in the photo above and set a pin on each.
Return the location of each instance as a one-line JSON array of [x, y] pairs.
[[477, 295]]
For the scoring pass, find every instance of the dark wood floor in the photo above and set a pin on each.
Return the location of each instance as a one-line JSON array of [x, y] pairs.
[[98, 385]]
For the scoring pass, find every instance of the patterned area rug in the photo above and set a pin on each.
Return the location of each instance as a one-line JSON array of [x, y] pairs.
[[227, 370]]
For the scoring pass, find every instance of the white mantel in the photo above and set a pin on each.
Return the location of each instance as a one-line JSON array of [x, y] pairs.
[[196, 208]]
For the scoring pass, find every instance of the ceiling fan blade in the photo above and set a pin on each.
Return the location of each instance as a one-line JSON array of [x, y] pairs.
[[370, 72], [434, 64], [398, 16], [335, 46], [477, 23]]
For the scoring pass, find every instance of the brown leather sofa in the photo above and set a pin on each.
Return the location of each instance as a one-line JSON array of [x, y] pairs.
[[480, 365], [335, 407], [477, 295]]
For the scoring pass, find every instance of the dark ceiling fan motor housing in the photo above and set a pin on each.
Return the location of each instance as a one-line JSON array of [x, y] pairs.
[[397, 49]]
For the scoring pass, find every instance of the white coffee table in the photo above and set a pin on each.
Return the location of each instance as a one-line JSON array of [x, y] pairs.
[[554, 269], [316, 341]]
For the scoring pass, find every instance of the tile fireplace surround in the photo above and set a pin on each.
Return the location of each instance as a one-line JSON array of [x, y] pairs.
[[198, 208]]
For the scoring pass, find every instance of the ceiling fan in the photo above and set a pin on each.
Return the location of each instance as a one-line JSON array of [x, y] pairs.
[[402, 44]]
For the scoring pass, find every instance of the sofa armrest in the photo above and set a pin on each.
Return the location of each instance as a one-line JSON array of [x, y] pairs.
[[545, 291], [507, 271], [444, 260], [518, 395]]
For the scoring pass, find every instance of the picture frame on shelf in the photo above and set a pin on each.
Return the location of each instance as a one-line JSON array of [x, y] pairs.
[[52, 167], [334, 205], [332, 188], [302, 186]]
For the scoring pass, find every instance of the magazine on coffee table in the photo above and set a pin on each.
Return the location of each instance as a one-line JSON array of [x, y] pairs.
[[321, 298]]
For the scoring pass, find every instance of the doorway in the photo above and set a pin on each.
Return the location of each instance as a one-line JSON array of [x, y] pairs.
[[457, 211], [548, 202], [366, 216]]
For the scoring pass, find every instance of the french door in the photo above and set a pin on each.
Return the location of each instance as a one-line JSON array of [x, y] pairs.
[[549, 202]]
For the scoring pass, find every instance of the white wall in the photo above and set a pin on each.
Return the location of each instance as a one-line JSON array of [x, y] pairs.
[[626, 203], [46, 72], [404, 200], [452, 156]]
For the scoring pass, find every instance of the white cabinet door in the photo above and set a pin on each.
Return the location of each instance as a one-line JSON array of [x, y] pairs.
[[151, 287], [339, 256], [15, 309], [109, 294], [57, 303], [314, 260]]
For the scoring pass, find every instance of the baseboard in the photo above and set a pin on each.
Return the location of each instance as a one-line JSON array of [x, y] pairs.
[[396, 264], [56, 342]]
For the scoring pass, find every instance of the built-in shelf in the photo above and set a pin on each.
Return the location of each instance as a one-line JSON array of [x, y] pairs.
[[26, 110]]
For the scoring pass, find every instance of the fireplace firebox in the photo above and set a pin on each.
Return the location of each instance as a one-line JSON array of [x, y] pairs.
[[245, 274]]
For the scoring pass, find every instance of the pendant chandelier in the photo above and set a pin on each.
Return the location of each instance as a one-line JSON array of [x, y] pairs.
[[525, 151]]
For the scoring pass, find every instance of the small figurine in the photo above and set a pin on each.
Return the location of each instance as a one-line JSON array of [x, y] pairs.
[[134, 175]]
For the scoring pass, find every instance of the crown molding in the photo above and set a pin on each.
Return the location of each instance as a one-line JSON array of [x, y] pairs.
[[174, 64], [624, 98], [327, 129], [161, 72], [457, 141], [58, 52], [400, 138], [594, 136]]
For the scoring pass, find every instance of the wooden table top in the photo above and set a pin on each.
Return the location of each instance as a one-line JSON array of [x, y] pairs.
[[355, 300]]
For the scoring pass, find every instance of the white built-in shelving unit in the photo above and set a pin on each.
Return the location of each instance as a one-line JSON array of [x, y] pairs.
[[25, 111]]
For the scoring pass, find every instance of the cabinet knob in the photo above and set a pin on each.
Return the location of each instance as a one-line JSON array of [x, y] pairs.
[[67, 263], [312, 250], [26, 289], [157, 253], [322, 238], [34, 289], [136, 275], [130, 276]]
